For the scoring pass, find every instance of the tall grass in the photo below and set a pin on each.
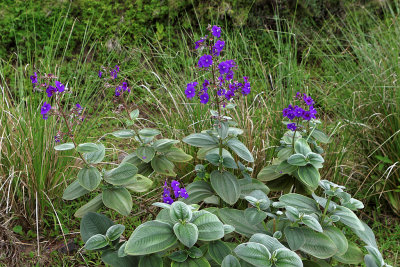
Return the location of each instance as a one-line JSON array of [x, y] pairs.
[[357, 70]]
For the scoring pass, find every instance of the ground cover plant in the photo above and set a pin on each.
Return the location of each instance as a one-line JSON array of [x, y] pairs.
[[346, 68], [183, 234]]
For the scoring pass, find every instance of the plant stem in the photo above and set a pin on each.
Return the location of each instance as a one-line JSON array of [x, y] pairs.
[[129, 117], [70, 130], [326, 209]]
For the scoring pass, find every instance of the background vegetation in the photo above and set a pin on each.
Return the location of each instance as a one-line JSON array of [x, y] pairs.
[[343, 53]]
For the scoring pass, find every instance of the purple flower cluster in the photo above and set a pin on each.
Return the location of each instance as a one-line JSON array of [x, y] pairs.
[[113, 72], [293, 112], [121, 89], [34, 79], [223, 82], [178, 192]]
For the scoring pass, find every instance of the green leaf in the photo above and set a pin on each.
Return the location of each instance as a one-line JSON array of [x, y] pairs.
[[294, 237], [226, 185], [74, 190], [122, 175], [286, 258], [124, 133], [254, 253], [228, 229], [149, 132], [115, 231], [151, 261], [132, 159], [97, 156], [92, 206], [301, 146], [200, 140], [348, 218], [312, 223], [240, 149], [297, 160], [338, 238], [271, 243], [163, 166], [87, 148], [186, 233], [284, 167], [249, 185], [134, 114], [318, 244], [285, 153], [309, 176], [164, 145], [150, 237], [65, 146], [320, 136], [376, 255], [370, 261], [200, 262], [222, 128], [209, 226], [254, 216], [89, 178], [93, 224], [235, 218], [353, 255], [112, 258], [269, 173], [96, 242], [145, 153], [180, 212], [177, 155], [230, 261], [195, 253], [367, 235], [198, 191], [139, 184], [218, 250], [118, 199], [315, 159], [300, 202], [179, 256]]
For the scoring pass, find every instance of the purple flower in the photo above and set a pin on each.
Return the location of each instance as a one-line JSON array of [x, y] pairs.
[[308, 100], [205, 61], [100, 73], [190, 91], [307, 115], [204, 98], [298, 111], [246, 79], [298, 95], [292, 126], [168, 200], [45, 109], [221, 92], [229, 75], [174, 184], [246, 89], [117, 68], [78, 106], [216, 31], [183, 193], [114, 74], [224, 67], [217, 48], [229, 94], [34, 79], [199, 43], [60, 87], [313, 111], [50, 91]]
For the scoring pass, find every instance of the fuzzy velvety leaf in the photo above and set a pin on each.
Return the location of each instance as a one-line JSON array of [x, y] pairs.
[[151, 260], [118, 199], [240, 149], [353, 255], [139, 184], [92, 206], [209, 226], [164, 145], [226, 185], [186, 233], [96, 242], [200, 140], [89, 178], [96, 156], [74, 190], [287, 258], [269, 173], [230, 261], [87, 148], [179, 211], [318, 244], [309, 176], [218, 250], [145, 153], [93, 224], [163, 166], [199, 262], [337, 236], [294, 237], [300, 202], [115, 231], [254, 253], [235, 218], [124, 133], [65, 146], [177, 155], [301, 146], [198, 191], [122, 175], [149, 132]]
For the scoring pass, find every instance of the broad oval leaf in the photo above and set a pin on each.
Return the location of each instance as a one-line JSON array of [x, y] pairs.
[[240, 149], [297, 160], [235, 217], [309, 176], [145, 153], [271, 243], [301, 146], [118, 199], [218, 250], [209, 226], [269, 173], [348, 218], [115, 231], [96, 242], [186, 233], [226, 185], [134, 114], [177, 155], [285, 168], [92, 206], [93, 224], [318, 244], [320, 136], [312, 223], [179, 256], [367, 235], [74, 190], [337, 236], [285, 153], [149, 132], [353, 255], [163, 166], [230, 261], [150, 237], [286, 258], [139, 184], [300, 202], [124, 133], [65, 146], [198, 191], [112, 258], [294, 237], [254, 216], [87, 148], [249, 185], [200, 140], [89, 178], [97, 156], [122, 175], [315, 159], [199, 262], [180, 212], [254, 253], [164, 145]]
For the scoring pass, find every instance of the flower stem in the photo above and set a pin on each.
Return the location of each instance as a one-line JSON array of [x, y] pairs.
[[326, 209]]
